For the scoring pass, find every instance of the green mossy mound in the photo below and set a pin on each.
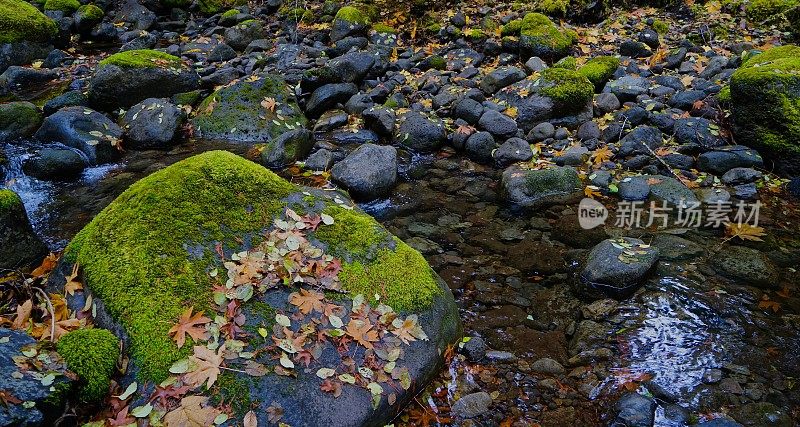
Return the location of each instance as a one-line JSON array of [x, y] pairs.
[[92, 354], [143, 58], [9, 200], [66, 6], [540, 37], [148, 254], [18, 120], [765, 104], [235, 112], [569, 90], [763, 10], [20, 21], [352, 15], [91, 12], [599, 70], [211, 7]]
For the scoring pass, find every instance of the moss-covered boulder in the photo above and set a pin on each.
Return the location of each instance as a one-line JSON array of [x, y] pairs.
[[24, 33], [539, 36], [18, 120], [784, 14], [765, 104], [86, 17], [91, 354], [19, 245], [599, 70], [586, 11], [558, 95], [66, 6], [127, 78], [349, 21], [211, 7], [250, 110], [541, 188], [167, 242]]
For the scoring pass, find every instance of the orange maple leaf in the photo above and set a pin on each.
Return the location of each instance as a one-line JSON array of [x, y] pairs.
[[307, 301], [362, 332], [188, 324], [269, 104], [207, 365]]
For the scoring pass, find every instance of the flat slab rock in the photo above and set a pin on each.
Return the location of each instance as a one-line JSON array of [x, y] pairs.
[[617, 267]]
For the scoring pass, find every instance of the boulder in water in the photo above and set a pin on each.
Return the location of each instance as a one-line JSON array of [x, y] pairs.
[[85, 129], [19, 245]]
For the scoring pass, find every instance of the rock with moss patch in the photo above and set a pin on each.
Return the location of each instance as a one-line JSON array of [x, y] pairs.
[[19, 245], [25, 33], [765, 104], [245, 112], [242, 34], [599, 70], [148, 255], [211, 7], [288, 148], [127, 78], [560, 96], [783, 14], [540, 37], [66, 6], [86, 17], [349, 21], [540, 188], [18, 120], [91, 354], [40, 404]]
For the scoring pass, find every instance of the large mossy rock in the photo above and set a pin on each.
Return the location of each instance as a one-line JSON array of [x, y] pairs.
[[127, 78], [558, 95], [150, 255], [782, 14], [24, 32], [238, 112], [539, 36], [19, 245], [765, 104]]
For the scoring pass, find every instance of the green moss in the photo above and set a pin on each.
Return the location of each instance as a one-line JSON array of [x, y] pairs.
[[433, 28], [355, 234], [724, 95], [405, 280], [92, 354], [764, 100], [552, 7], [230, 14], [569, 89], [513, 28], [20, 21], [352, 15], [92, 12], [762, 10], [383, 29], [600, 69], [135, 253], [67, 6], [660, 26], [475, 35], [143, 58], [540, 37], [211, 7], [567, 63], [234, 391], [296, 14], [9, 200], [20, 118], [437, 62]]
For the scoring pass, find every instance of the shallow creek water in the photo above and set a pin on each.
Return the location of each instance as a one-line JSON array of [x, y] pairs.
[[689, 338]]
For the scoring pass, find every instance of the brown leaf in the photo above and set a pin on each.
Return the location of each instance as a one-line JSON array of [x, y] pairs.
[[23, 315], [362, 332], [274, 413], [46, 267], [73, 284], [307, 301], [745, 231], [208, 366], [191, 413], [269, 104], [250, 419], [188, 324]]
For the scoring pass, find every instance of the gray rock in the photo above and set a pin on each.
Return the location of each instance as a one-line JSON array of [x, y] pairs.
[[55, 164], [634, 410], [512, 151], [498, 124], [21, 53], [588, 130], [342, 28], [17, 78], [380, 119], [746, 266], [697, 130], [321, 160], [420, 133], [18, 120], [152, 123], [352, 67], [85, 129], [573, 156], [221, 52], [535, 64], [720, 422], [724, 159], [710, 196], [606, 102], [685, 99], [617, 267], [328, 96], [468, 110], [675, 248], [369, 172], [289, 147], [19, 245], [639, 140], [627, 88], [540, 188], [761, 414], [474, 349], [72, 98], [479, 146], [500, 78], [330, 120], [241, 35], [547, 366], [542, 131], [634, 49], [649, 37], [472, 405], [670, 190], [738, 176], [601, 178], [634, 189], [745, 191]]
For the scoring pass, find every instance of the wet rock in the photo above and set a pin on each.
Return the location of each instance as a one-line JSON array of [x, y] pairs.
[[238, 113], [474, 349], [328, 96], [18, 120], [19, 245], [539, 188], [152, 123], [242, 34], [686, 99], [617, 267], [500, 78], [745, 191], [468, 110], [23, 52], [479, 146], [57, 58], [72, 98], [634, 189], [720, 422], [381, 120], [542, 131], [321, 160], [535, 64], [330, 120], [670, 190], [512, 151], [16, 78], [547, 366], [738, 176], [420, 133], [369, 172], [289, 147], [349, 21], [675, 248], [697, 130], [573, 156], [127, 78], [587, 131], [472, 405], [352, 67], [84, 129], [55, 164], [634, 410], [627, 88], [649, 37], [26, 386], [606, 103], [634, 49], [639, 140], [761, 414], [498, 124], [746, 266], [724, 159], [221, 52]]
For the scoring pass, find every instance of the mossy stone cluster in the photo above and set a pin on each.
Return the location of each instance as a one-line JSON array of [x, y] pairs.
[[600, 69], [147, 255], [567, 62], [765, 104], [539, 36], [66, 6], [569, 89], [92, 354], [142, 58], [553, 7], [20, 21]]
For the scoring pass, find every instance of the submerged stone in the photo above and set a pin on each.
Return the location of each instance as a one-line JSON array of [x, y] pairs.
[[540, 188]]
